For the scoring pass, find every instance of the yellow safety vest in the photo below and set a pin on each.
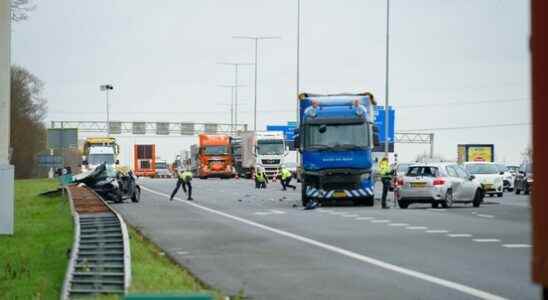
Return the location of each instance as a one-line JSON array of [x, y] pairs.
[[185, 176], [285, 174], [384, 169], [260, 176]]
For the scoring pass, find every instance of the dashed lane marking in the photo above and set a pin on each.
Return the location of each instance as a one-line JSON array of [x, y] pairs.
[[380, 221], [364, 218], [363, 258], [485, 216], [459, 235], [437, 231], [398, 224], [416, 227], [350, 216], [486, 240], [516, 246]]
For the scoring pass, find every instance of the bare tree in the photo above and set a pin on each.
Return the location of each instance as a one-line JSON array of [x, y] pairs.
[[20, 9], [28, 133]]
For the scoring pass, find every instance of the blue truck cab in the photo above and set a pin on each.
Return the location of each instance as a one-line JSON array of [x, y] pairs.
[[335, 140]]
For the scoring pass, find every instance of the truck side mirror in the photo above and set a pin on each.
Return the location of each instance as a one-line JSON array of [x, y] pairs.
[[376, 141]]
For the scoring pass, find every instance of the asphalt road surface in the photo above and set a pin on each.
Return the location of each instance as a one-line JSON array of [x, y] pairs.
[[262, 242]]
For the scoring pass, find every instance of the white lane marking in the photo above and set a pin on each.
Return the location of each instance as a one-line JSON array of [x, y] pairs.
[[416, 227], [277, 212], [486, 240], [485, 216], [474, 212], [380, 221], [262, 213], [364, 218], [398, 224], [366, 259], [437, 231], [436, 209], [459, 235], [516, 246], [350, 216], [270, 212], [182, 252]]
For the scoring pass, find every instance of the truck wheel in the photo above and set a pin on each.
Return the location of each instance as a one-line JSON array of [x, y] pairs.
[[500, 195], [304, 197], [136, 195], [369, 201]]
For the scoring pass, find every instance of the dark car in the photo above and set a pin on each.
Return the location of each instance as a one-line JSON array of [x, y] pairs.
[[524, 179]]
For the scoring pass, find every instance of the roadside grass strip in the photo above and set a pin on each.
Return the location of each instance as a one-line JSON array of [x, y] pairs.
[[344, 252]]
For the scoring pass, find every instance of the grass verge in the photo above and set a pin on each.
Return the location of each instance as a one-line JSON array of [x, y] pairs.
[[33, 261]]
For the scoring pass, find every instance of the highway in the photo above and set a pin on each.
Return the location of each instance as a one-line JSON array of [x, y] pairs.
[[262, 243]]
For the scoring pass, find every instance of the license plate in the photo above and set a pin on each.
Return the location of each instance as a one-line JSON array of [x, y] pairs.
[[339, 194], [417, 184], [488, 186]]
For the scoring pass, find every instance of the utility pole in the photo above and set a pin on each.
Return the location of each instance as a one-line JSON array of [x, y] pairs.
[[387, 78], [232, 103], [106, 88], [236, 85], [256, 39], [6, 170]]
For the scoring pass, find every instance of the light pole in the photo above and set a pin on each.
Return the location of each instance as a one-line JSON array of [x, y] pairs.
[[106, 88], [256, 39], [236, 85], [6, 170], [298, 57], [387, 78], [232, 103]]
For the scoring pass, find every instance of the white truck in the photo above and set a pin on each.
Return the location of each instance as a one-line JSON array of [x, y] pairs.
[[263, 148]]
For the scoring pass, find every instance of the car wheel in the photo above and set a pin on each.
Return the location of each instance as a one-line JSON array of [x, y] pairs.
[[136, 195], [478, 198], [403, 204], [499, 195], [448, 202], [435, 204]]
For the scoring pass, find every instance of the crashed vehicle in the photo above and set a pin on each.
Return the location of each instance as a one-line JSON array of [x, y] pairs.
[[113, 184]]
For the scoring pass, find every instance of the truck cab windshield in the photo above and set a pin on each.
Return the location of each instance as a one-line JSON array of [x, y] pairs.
[[270, 147], [336, 136], [215, 150], [97, 159]]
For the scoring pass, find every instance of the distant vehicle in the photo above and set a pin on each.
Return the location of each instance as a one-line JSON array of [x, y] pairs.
[[236, 149], [264, 148], [113, 184], [508, 177], [98, 150], [475, 153], [144, 160], [401, 169], [524, 179], [488, 175], [162, 169], [212, 157], [439, 184]]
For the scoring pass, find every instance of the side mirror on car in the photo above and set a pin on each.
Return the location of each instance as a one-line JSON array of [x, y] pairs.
[[501, 173], [472, 177]]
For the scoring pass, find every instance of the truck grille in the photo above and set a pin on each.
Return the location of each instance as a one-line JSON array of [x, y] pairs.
[[270, 161]]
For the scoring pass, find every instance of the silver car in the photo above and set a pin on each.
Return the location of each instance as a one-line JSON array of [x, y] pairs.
[[438, 183]]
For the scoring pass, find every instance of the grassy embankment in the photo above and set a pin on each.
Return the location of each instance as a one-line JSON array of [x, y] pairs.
[[33, 262]]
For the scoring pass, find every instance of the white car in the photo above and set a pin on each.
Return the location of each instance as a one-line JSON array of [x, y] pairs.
[[508, 176], [488, 175], [438, 183]]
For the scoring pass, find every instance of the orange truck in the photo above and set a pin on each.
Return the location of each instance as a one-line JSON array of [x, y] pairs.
[[144, 160], [212, 157]]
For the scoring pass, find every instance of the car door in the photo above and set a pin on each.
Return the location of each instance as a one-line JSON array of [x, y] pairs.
[[456, 182], [468, 185]]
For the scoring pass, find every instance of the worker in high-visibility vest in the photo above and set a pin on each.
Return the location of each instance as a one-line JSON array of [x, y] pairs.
[[260, 178], [386, 177], [184, 178], [285, 179]]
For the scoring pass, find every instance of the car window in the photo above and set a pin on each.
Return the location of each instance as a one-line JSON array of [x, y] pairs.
[[423, 171], [461, 172], [451, 171]]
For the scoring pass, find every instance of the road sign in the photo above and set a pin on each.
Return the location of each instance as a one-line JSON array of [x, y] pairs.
[[139, 128], [62, 138], [288, 130], [50, 161], [379, 123], [162, 128]]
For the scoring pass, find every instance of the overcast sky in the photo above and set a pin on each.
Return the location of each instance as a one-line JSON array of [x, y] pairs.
[[162, 58]]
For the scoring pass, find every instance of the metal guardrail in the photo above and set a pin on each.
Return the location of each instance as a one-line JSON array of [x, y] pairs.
[[100, 260]]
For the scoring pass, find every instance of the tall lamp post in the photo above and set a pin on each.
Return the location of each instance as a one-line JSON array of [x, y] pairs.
[[233, 111], [6, 170], [236, 85], [106, 88], [256, 39], [387, 78]]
